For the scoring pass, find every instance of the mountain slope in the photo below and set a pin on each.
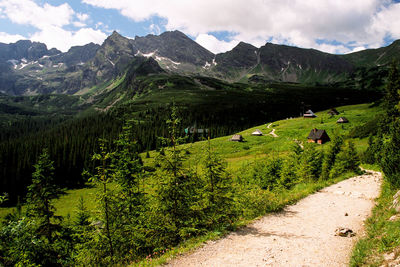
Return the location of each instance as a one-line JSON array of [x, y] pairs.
[[30, 68]]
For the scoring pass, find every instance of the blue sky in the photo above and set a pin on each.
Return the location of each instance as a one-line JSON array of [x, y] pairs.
[[334, 26]]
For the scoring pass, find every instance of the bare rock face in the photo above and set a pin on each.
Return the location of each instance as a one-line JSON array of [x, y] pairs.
[[344, 232]]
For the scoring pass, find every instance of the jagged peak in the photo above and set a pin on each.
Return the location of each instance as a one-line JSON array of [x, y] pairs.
[[243, 45]]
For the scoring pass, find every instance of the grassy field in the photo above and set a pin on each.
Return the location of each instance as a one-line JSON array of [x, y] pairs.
[[254, 147]]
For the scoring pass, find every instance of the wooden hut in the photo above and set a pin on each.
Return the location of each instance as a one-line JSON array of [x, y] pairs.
[[342, 120], [257, 133], [318, 136], [237, 138], [309, 114], [333, 112]]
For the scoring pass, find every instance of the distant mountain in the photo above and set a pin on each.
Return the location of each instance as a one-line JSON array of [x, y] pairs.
[[29, 68]]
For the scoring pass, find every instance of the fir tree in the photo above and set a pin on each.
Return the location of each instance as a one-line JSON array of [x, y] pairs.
[[42, 192]]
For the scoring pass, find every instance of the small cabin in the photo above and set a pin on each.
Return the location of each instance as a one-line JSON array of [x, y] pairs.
[[318, 136], [333, 112], [342, 120], [257, 133], [309, 114], [237, 138]]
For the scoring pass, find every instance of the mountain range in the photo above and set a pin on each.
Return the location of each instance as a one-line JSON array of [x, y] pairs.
[[29, 68]]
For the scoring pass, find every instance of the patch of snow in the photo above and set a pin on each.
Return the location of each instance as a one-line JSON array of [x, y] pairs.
[[299, 66], [23, 65], [207, 65], [214, 62], [13, 61], [138, 53], [149, 54], [24, 60], [112, 63], [46, 56]]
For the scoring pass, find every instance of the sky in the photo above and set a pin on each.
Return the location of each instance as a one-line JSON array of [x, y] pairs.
[[333, 26]]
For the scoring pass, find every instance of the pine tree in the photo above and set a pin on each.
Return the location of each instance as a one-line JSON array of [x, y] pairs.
[[42, 192], [218, 192], [176, 189], [102, 178], [330, 156]]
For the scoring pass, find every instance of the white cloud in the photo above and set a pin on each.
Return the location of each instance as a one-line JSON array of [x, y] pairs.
[[63, 39], [82, 18], [10, 38], [50, 21], [297, 22], [213, 44], [27, 12], [154, 29]]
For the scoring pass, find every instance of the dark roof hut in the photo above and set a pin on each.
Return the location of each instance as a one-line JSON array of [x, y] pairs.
[[333, 112], [318, 136], [237, 138], [257, 133], [309, 114], [342, 120]]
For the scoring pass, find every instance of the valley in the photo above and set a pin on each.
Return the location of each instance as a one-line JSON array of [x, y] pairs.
[[107, 124]]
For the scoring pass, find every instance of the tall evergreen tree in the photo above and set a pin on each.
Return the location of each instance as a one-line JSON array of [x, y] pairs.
[[42, 192]]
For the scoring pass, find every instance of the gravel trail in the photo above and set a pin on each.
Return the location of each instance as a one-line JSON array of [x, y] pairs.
[[301, 235]]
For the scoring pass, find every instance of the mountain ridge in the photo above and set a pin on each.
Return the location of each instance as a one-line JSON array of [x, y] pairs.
[[29, 68]]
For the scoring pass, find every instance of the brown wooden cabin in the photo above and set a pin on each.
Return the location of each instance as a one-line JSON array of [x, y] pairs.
[[333, 112], [318, 136], [237, 138], [342, 120]]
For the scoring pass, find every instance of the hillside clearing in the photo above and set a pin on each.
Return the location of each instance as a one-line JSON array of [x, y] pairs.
[[301, 235]]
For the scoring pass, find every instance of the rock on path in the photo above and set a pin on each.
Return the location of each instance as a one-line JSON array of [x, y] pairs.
[[301, 235]]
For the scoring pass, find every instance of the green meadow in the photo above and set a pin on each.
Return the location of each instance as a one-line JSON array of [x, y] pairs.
[[238, 154]]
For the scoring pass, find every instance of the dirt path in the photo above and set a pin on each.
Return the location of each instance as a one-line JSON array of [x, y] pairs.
[[273, 131], [301, 235]]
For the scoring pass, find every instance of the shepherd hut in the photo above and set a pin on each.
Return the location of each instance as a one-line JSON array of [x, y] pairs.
[[257, 133], [342, 120], [333, 112], [318, 136], [237, 138], [309, 114]]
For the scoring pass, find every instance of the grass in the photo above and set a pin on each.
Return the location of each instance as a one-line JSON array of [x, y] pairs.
[[382, 236], [256, 147]]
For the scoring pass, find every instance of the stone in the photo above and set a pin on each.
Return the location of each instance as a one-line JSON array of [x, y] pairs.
[[344, 232], [346, 214], [393, 218], [397, 195]]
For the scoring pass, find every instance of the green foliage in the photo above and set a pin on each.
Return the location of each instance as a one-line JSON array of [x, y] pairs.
[[330, 156], [310, 163], [217, 195], [177, 189], [41, 193], [390, 161], [347, 160], [37, 239]]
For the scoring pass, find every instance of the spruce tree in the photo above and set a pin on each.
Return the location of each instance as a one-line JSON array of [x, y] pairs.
[[176, 189], [218, 192], [42, 192]]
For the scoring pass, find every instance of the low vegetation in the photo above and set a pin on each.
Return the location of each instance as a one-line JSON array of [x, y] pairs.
[[383, 234]]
